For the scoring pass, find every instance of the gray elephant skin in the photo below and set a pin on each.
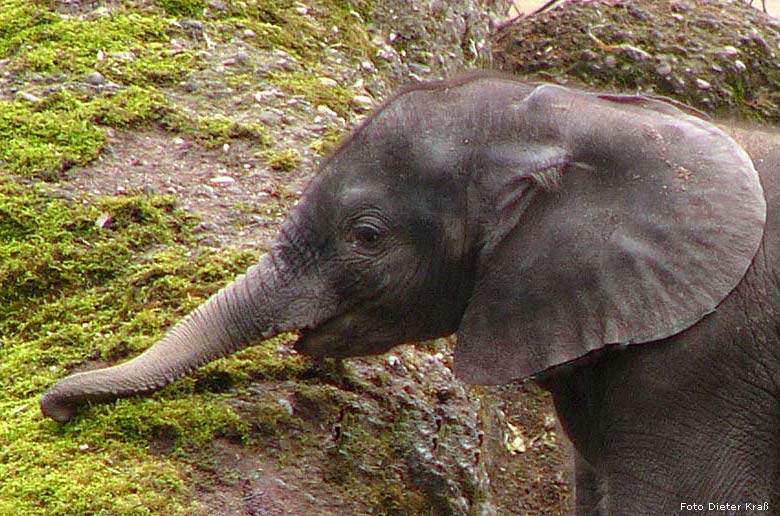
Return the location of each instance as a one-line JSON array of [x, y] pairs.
[[615, 247]]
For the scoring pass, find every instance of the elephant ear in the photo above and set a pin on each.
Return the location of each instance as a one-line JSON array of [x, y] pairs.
[[652, 219]]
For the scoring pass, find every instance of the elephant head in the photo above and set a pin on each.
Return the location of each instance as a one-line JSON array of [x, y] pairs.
[[538, 223]]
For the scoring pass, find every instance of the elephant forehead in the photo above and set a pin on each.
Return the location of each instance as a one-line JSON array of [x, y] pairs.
[[360, 190], [408, 175]]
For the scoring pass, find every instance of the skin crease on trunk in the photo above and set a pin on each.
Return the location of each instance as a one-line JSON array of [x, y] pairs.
[[549, 229]]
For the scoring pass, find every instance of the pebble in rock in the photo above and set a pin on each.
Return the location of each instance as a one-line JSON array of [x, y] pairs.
[[222, 180], [95, 78]]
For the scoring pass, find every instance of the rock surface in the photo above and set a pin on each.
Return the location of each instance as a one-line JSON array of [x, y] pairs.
[[717, 56]]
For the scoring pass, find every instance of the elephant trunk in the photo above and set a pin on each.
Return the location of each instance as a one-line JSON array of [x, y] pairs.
[[238, 315]]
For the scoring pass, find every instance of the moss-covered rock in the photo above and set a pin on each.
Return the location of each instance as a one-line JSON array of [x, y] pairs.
[[73, 286], [717, 56]]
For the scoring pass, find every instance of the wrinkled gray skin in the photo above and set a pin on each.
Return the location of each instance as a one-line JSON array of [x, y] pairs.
[[613, 246]]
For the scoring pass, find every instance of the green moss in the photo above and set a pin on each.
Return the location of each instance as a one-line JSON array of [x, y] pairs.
[[279, 24], [70, 289], [62, 130], [39, 40], [34, 268], [43, 48], [192, 8], [216, 130], [310, 87], [44, 140], [126, 108], [284, 160], [330, 139], [141, 53]]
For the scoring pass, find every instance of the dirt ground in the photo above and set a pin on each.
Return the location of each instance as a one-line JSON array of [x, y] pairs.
[[239, 201]]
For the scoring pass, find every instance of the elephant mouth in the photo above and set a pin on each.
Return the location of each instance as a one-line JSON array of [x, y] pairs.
[[341, 337], [329, 339]]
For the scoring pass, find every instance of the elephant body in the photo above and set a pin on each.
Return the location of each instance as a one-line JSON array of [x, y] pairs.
[[617, 248], [694, 419]]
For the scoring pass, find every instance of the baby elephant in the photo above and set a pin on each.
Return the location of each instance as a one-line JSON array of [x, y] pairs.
[[615, 247]]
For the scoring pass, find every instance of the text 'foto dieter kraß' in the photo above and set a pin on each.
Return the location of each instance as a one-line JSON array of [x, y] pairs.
[[730, 507]]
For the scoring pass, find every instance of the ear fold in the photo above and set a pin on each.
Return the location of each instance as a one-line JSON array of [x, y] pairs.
[[655, 221]]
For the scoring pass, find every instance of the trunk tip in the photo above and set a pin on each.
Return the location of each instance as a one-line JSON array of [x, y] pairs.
[[56, 408]]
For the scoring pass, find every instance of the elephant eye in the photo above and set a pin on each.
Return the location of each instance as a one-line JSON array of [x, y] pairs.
[[365, 231], [366, 235]]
